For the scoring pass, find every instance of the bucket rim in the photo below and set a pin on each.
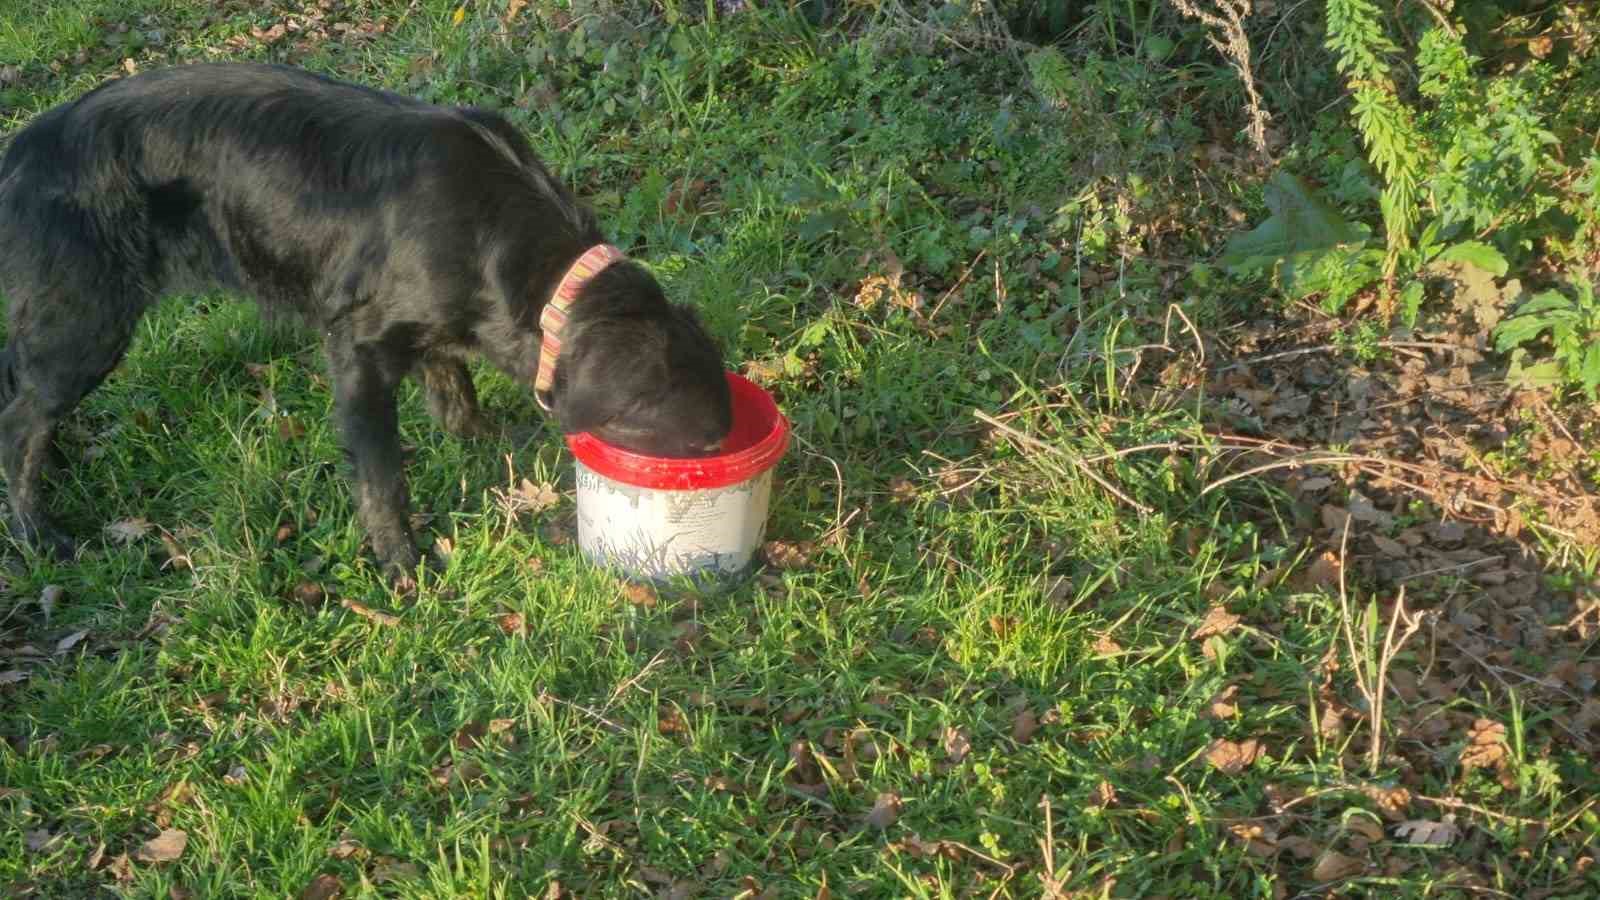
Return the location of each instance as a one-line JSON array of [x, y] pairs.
[[697, 473]]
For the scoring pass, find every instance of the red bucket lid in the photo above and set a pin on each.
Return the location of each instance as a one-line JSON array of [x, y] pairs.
[[758, 439]]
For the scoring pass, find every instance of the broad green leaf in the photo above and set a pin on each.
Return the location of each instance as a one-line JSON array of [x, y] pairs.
[[1589, 373], [1543, 375], [1545, 301], [1477, 253], [1519, 330], [1300, 222]]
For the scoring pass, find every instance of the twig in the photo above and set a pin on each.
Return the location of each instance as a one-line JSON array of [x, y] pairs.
[[1047, 844], [637, 677], [1391, 647], [1330, 348], [957, 286], [1083, 467], [374, 615], [1452, 803], [612, 726]]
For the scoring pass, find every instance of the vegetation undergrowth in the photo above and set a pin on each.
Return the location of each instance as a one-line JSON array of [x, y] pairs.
[[1022, 631]]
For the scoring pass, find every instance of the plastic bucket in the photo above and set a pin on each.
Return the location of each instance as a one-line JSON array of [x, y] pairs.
[[658, 518]]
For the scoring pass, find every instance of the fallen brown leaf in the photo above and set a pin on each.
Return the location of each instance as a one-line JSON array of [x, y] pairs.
[[1105, 646], [1222, 706], [1324, 572], [513, 624], [41, 841], [1487, 746], [1217, 621], [1231, 758], [1104, 795], [70, 641], [790, 556], [885, 810], [322, 887], [642, 595], [126, 531], [164, 847], [670, 721], [387, 870], [48, 599], [957, 744], [1428, 833], [1023, 725], [1335, 866]]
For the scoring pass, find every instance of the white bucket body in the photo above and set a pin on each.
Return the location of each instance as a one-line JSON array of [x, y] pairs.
[[659, 534]]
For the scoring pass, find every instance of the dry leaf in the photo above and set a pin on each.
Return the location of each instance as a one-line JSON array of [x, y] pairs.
[[1023, 725], [513, 624], [1104, 794], [126, 531], [346, 848], [642, 595], [322, 887], [1231, 758], [1002, 626], [885, 810], [1324, 572], [1487, 746], [378, 616], [235, 777], [1427, 833], [387, 869], [12, 676], [1217, 621], [1334, 866], [670, 721], [48, 599], [1365, 827], [164, 847], [1105, 646], [957, 744], [41, 841], [70, 641], [1222, 705], [790, 556]]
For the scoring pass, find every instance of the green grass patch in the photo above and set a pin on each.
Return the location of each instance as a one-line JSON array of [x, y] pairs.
[[984, 679]]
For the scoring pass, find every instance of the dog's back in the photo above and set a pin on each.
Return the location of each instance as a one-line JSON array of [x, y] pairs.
[[261, 179]]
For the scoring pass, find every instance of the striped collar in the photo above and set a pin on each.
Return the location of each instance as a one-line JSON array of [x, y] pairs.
[[553, 320]]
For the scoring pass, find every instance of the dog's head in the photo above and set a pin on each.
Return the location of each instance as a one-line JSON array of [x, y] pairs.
[[639, 372]]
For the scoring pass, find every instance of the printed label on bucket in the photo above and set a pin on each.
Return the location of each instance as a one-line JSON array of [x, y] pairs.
[[659, 533]]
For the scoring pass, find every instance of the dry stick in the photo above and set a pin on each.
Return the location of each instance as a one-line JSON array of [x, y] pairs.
[[957, 286], [1048, 845], [1350, 640], [1083, 467], [1329, 348], [1390, 648]]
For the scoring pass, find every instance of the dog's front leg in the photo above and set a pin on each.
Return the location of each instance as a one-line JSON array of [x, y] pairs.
[[364, 404]]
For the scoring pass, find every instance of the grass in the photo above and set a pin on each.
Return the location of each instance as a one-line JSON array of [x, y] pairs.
[[983, 645]]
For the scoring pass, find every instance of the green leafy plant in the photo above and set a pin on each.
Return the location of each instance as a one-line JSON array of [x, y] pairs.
[[1573, 326], [1388, 127]]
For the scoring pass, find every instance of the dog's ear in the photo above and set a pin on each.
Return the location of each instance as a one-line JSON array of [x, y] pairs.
[[587, 392]]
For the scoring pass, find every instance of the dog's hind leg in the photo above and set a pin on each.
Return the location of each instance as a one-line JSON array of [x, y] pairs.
[[452, 400], [365, 408], [61, 348]]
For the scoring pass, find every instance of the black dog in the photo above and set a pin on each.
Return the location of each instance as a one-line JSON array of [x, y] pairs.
[[411, 235]]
